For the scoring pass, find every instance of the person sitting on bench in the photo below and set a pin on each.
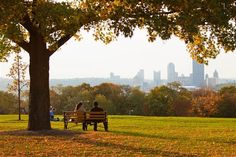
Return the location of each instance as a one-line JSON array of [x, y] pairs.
[[97, 109], [79, 107]]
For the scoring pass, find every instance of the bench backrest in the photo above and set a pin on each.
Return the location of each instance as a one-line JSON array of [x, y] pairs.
[[74, 116], [99, 116], [84, 116]]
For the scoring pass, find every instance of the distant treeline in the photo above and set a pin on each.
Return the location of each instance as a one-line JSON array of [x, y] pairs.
[[169, 100]]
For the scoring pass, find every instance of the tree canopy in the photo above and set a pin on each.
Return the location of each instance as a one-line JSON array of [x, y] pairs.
[[207, 26]]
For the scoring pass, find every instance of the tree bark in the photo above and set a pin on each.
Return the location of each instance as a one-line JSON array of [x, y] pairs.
[[39, 101]]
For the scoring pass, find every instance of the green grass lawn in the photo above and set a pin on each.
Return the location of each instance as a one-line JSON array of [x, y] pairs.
[[127, 136]]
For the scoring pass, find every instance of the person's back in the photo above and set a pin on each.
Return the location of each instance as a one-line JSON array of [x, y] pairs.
[[79, 107], [51, 113], [97, 109]]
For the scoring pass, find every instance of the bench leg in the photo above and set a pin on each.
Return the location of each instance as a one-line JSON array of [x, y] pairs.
[[84, 126], [65, 125], [95, 126], [105, 126]]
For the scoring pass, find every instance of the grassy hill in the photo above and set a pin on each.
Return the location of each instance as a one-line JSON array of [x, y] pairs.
[[128, 136]]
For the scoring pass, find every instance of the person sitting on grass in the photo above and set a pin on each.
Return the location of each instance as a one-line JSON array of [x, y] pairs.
[[98, 109], [51, 113]]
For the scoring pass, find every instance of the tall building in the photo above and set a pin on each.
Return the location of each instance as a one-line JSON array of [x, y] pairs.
[[157, 78], [139, 78], [171, 74], [212, 82], [114, 77], [198, 74], [140, 75], [185, 80], [216, 74]]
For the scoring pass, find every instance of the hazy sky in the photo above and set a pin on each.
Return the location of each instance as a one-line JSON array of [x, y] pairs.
[[124, 57]]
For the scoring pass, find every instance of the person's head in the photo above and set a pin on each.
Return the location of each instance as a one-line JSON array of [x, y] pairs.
[[52, 108], [79, 105], [95, 104]]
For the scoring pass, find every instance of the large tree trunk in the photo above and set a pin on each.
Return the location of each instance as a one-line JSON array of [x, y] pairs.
[[39, 101]]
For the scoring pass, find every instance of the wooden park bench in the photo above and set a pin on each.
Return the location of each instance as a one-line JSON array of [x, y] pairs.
[[74, 117], [86, 118]]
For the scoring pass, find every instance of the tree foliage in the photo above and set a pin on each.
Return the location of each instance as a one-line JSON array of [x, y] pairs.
[[8, 103], [206, 26], [136, 101], [202, 102], [205, 102], [18, 74], [227, 103]]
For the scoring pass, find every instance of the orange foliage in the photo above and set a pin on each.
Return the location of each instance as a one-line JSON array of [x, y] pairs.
[[205, 102]]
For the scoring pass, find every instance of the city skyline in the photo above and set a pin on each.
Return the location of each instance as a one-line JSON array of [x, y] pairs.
[[196, 79], [125, 57]]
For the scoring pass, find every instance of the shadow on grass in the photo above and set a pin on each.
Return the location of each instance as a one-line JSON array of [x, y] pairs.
[[217, 140], [150, 135], [52, 132], [144, 151], [137, 134], [15, 121]]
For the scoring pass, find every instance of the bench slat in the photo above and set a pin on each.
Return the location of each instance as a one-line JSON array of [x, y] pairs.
[[87, 116], [95, 112], [95, 118]]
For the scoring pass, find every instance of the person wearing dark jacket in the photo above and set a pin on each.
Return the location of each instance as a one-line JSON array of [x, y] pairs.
[[98, 109]]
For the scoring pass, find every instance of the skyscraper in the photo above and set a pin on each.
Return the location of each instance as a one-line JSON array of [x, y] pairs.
[[139, 77], [171, 74], [216, 74], [198, 74], [157, 78]]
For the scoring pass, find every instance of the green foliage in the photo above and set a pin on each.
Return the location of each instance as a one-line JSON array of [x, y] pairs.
[[227, 105], [159, 101], [8, 103], [136, 101], [105, 103], [66, 98], [115, 95], [170, 100], [228, 90]]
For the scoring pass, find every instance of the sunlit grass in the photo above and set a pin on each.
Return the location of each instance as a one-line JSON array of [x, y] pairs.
[[127, 136]]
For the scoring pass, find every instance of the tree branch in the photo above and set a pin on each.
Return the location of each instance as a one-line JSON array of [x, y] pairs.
[[59, 43], [27, 23], [24, 45]]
